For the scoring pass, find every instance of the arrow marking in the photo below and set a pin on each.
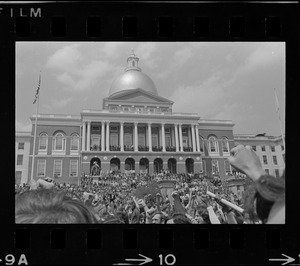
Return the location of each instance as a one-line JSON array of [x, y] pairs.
[[287, 260], [143, 261]]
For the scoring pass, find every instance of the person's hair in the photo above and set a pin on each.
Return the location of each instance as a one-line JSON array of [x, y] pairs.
[[181, 219], [266, 191], [48, 206], [123, 216]]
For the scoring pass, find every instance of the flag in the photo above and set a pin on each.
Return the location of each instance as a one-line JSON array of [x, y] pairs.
[[38, 90], [277, 104]]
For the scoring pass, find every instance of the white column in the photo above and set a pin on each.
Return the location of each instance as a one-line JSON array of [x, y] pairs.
[[163, 137], [107, 136], [176, 138], [193, 138], [89, 136], [122, 135], [180, 138], [135, 136], [102, 136], [83, 136], [197, 138], [149, 137]]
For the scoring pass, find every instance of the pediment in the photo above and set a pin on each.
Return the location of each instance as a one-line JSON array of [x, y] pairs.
[[138, 95]]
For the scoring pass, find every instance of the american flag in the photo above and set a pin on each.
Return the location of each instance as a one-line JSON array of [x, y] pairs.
[[38, 90]]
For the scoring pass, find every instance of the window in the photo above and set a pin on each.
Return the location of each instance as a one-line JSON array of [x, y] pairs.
[[282, 147], [74, 168], [213, 144], [267, 171], [227, 167], [273, 148], [167, 130], [41, 168], [20, 159], [21, 146], [59, 142], [275, 160], [276, 172], [95, 140], [265, 159], [154, 140], [155, 136], [18, 177], [43, 142], [263, 148], [168, 141], [225, 145], [113, 108], [114, 139], [74, 142], [283, 156], [215, 166], [57, 168], [254, 148]]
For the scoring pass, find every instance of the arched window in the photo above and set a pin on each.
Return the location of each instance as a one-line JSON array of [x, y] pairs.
[[43, 142], [74, 142], [59, 142], [213, 144], [225, 145], [201, 140]]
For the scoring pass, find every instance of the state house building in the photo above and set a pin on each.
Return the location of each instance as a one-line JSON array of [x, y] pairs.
[[135, 130]]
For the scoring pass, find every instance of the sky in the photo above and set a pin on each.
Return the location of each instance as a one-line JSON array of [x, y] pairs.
[[217, 80]]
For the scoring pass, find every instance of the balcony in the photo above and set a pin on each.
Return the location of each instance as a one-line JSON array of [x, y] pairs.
[[95, 148], [171, 148], [143, 148], [156, 148], [114, 148], [128, 148], [187, 149]]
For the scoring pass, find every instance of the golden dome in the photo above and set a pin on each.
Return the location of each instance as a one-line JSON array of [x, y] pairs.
[[133, 78]]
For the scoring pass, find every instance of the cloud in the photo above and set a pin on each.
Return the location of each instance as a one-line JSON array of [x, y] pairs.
[[22, 126], [264, 55], [145, 52], [182, 56], [65, 59], [73, 72], [62, 102]]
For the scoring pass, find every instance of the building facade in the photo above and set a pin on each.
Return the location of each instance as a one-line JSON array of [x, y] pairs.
[[22, 149], [269, 149], [136, 130]]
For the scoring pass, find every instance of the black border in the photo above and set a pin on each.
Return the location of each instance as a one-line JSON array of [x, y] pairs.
[[255, 251]]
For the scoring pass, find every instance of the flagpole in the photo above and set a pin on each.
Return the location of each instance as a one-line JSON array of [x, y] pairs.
[[277, 110], [35, 126]]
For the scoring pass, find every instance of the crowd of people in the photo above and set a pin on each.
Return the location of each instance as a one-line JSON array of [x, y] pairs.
[[136, 198]]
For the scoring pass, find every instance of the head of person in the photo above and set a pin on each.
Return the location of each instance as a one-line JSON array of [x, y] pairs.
[[179, 219], [158, 219], [48, 206]]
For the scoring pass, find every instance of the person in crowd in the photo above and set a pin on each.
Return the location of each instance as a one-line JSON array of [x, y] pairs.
[[48, 206], [267, 199]]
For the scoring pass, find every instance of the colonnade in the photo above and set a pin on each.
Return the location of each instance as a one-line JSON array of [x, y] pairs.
[[105, 135]]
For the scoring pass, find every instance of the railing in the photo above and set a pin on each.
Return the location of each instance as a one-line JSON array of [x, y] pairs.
[[171, 148], [187, 149], [114, 148], [156, 148], [143, 148]]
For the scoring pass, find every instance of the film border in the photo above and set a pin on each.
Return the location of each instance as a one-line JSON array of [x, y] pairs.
[[26, 23]]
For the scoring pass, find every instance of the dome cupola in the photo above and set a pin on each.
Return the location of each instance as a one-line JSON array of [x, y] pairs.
[[133, 78]]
